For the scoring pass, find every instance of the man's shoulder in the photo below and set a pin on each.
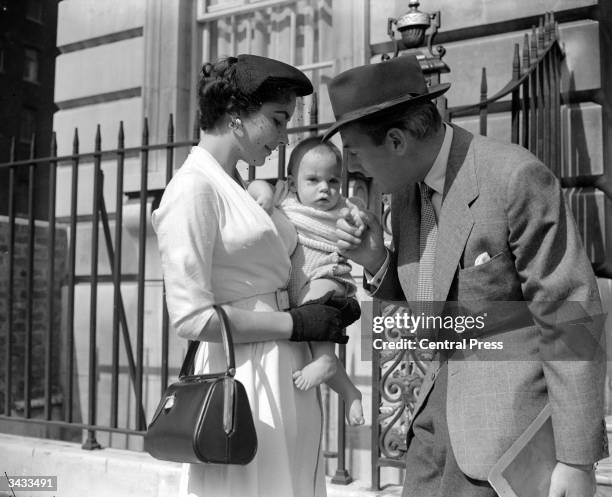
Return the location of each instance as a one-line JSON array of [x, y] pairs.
[[503, 159]]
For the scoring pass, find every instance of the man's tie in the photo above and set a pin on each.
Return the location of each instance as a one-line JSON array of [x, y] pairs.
[[427, 245]]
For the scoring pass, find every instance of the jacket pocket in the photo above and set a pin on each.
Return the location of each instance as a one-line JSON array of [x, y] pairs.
[[495, 279]]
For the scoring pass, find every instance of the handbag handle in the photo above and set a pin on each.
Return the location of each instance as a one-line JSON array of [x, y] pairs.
[[228, 347]]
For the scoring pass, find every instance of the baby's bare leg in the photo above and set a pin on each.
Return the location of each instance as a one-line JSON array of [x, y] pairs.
[[325, 366], [324, 362]]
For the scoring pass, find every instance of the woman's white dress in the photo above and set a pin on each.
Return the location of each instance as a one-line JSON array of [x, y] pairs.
[[218, 246]]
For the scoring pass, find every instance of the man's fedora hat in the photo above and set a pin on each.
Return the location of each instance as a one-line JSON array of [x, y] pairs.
[[366, 90]]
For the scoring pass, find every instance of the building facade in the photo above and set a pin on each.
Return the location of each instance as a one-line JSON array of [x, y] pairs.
[[27, 75], [127, 60]]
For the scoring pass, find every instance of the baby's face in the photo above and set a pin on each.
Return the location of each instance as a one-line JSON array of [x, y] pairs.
[[318, 179]]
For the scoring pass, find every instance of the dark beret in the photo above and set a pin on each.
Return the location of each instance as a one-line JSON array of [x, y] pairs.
[[253, 70]]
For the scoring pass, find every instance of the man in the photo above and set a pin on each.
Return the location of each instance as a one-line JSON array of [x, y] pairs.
[[474, 220]]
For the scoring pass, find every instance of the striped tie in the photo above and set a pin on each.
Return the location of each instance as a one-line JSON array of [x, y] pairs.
[[427, 245]]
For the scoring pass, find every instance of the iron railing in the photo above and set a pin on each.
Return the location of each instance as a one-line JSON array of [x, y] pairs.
[[22, 386]]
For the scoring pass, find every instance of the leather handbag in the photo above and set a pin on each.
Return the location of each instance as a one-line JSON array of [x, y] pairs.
[[204, 418]]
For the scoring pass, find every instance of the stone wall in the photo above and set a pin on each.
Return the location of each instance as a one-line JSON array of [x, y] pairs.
[[39, 309]]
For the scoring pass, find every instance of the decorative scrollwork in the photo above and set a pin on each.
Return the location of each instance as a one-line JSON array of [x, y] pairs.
[[402, 373]]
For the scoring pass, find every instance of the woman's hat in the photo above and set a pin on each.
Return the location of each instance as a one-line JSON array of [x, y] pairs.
[[366, 90], [253, 70]]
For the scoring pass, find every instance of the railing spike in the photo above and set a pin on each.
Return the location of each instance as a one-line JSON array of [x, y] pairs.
[[54, 144], [534, 44], [121, 136], [549, 28], [541, 34], [483, 84], [33, 146], [75, 142], [314, 109], [145, 131], [196, 126], [170, 128], [516, 63], [13, 149], [526, 53], [98, 142]]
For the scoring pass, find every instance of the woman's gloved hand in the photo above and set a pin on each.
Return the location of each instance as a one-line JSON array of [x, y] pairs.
[[349, 308], [323, 319]]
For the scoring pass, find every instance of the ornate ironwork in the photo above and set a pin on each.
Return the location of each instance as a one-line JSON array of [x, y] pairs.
[[413, 26], [401, 376]]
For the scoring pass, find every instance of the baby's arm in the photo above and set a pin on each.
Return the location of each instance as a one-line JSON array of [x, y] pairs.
[[263, 193], [319, 287]]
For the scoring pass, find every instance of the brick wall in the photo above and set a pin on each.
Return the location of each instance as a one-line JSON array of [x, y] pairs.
[[40, 316]]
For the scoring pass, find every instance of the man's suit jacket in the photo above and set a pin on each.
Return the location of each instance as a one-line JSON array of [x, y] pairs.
[[498, 198]]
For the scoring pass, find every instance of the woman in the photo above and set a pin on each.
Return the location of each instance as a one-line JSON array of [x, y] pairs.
[[219, 247]]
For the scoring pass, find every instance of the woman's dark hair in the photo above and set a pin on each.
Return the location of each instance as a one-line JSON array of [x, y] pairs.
[[421, 120], [219, 93], [305, 146]]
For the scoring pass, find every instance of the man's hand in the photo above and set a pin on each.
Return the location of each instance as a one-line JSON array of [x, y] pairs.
[[360, 238], [572, 481]]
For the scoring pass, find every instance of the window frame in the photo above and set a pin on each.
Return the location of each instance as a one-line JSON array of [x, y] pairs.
[[26, 72], [38, 15]]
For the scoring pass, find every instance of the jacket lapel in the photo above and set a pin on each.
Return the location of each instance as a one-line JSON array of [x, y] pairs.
[[456, 221]]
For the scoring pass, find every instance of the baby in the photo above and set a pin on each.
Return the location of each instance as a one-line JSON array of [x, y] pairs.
[[311, 199]]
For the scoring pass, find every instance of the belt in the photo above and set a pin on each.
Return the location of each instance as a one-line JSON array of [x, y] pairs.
[[278, 299]]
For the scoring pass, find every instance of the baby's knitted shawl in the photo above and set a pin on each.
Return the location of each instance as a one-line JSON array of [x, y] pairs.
[[316, 228]]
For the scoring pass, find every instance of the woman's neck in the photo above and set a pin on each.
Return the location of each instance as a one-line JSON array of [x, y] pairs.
[[222, 148]]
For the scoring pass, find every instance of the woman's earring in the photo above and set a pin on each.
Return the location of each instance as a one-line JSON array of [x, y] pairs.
[[235, 124]]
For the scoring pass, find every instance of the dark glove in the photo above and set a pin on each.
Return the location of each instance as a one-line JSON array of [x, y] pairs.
[[318, 321], [349, 309]]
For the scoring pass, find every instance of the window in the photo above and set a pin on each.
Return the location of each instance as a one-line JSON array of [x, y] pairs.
[[219, 5], [30, 67], [35, 10], [28, 125]]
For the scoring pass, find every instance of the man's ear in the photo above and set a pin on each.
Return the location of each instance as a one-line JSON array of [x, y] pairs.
[[395, 141]]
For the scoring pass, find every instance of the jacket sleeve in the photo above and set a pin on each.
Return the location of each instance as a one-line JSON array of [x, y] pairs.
[[388, 287], [559, 285]]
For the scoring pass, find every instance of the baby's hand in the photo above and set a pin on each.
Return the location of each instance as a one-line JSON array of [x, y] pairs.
[[357, 216], [266, 203], [263, 194]]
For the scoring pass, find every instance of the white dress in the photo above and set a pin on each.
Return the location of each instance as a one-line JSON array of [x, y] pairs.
[[218, 246]]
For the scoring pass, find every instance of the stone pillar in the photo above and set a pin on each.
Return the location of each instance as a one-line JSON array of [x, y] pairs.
[[169, 75], [351, 33]]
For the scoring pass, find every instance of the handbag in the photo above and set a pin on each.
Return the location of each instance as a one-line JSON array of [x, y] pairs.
[[204, 418]]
